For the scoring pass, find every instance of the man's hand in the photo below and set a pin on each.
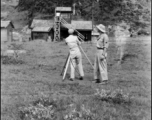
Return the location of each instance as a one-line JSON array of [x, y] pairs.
[[104, 52]]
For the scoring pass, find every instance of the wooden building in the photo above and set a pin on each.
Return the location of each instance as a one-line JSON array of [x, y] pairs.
[[64, 12], [6, 31], [57, 29], [84, 27], [60, 14], [42, 29]]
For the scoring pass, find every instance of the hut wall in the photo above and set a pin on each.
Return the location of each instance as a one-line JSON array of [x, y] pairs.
[[4, 36]]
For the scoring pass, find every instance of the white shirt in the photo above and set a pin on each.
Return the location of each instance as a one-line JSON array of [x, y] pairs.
[[73, 42]]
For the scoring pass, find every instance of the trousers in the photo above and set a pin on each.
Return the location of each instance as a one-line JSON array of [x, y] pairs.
[[100, 66], [76, 60]]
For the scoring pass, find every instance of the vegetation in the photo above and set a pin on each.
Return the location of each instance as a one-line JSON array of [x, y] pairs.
[[136, 12]]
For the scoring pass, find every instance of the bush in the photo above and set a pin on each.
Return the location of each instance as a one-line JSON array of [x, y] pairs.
[[117, 96], [143, 32]]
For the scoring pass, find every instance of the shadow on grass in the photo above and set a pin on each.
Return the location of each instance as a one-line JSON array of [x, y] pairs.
[[128, 56], [8, 60]]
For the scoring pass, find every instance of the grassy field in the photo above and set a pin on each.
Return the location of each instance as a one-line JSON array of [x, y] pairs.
[[32, 88]]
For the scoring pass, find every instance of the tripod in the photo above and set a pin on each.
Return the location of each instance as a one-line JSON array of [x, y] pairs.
[[65, 67], [68, 60]]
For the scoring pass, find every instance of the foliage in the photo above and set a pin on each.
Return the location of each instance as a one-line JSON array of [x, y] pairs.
[[135, 12], [48, 108], [116, 97]]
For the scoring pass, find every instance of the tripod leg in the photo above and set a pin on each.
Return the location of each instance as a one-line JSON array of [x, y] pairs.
[[64, 65], [86, 56], [66, 68]]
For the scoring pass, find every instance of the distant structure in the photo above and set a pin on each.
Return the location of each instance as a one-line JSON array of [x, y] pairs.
[[66, 14], [6, 31], [57, 28], [42, 29]]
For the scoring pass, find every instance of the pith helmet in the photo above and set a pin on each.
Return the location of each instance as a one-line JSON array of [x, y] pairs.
[[70, 31], [101, 27]]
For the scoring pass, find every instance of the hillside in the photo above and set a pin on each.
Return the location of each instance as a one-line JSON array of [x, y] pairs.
[[9, 12], [134, 12]]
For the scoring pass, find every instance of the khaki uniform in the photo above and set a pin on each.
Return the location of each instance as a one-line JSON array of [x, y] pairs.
[[100, 64], [75, 55]]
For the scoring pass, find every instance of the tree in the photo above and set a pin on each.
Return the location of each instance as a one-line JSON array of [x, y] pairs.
[[103, 11]]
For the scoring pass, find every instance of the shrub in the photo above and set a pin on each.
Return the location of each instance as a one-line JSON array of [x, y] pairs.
[[116, 97]]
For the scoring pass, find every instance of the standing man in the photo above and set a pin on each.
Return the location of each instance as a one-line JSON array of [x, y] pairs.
[[75, 55], [100, 64], [121, 34]]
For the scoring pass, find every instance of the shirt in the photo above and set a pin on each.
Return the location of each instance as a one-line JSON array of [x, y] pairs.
[[102, 41], [73, 42]]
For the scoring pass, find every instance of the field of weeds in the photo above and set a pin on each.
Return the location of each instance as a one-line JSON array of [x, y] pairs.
[[32, 88]]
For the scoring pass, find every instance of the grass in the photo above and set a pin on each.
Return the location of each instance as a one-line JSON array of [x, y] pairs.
[[8, 60], [103, 105], [35, 90]]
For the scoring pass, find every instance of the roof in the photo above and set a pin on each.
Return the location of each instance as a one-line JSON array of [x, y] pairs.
[[82, 25], [42, 23], [5, 24], [63, 9], [41, 29], [67, 25]]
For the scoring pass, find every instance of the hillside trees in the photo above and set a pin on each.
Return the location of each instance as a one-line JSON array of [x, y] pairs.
[[136, 12], [131, 11]]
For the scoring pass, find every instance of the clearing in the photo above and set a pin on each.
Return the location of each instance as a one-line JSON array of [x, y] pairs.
[[35, 76]]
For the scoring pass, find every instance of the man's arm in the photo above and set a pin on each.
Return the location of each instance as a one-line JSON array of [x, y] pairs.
[[106, 44], [106, 41], [65, 41]]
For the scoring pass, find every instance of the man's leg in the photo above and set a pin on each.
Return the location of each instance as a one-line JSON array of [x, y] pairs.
[[96, 69], [73, 65], [80, 67], [103, 69]]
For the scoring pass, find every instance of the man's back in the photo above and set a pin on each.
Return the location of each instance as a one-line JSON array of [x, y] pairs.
[[72, 41]]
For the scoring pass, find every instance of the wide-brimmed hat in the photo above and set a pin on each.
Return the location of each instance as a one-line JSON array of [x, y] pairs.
[[71, 31], [101, 27]]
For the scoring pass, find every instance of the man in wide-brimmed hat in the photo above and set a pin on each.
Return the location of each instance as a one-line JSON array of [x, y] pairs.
[[100, 64], [75, 55]]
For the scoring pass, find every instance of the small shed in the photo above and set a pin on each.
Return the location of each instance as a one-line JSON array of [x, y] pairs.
[[42, 29], [41, 33], [84, 27], [6, 31]]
